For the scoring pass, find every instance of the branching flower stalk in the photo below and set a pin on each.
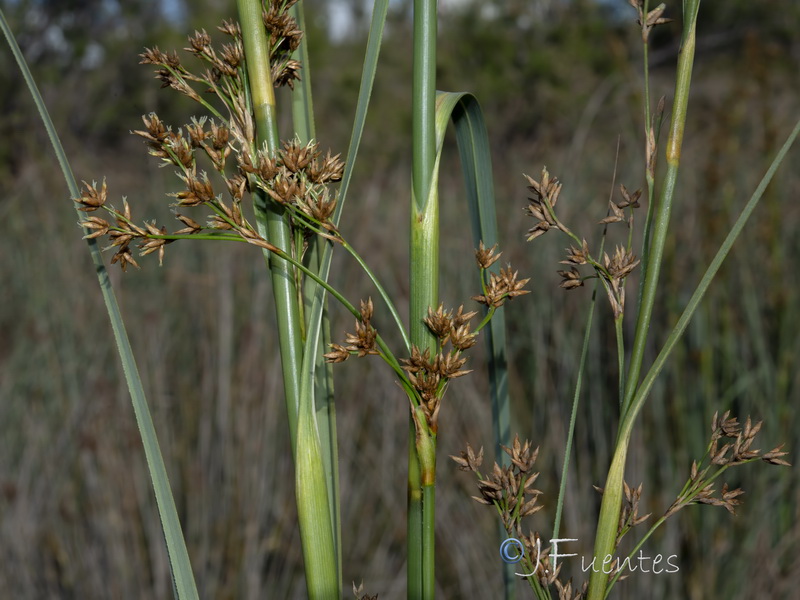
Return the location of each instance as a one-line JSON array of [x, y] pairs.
[[292, 180], [700, 487], [612, 498], [615, 520], [510, 491]]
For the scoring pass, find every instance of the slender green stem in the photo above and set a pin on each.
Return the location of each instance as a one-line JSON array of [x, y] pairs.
[[315, 346], [620, 356], [661, 223], [383, 293], [315, 226], [683, 322], [562, 489], [612, 495]]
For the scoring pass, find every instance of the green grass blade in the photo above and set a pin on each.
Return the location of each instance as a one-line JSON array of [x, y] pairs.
[[365, 92], [302, 105], [473, 145], [180, 566], [321, 375], [609, 511], [660, 226], [316, 531], [308, 427], [702, 287]]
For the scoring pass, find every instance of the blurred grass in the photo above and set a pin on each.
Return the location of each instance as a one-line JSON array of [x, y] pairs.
[[214, 379]]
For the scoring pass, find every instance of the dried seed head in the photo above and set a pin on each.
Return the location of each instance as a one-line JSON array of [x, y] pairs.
[[616, 215], [367, 310], [230, 28], [418, 361], [462, 338], [448, 366], [337, 354], [284, 34], [329, 170], [192, 226], [100, 227], [577, 257], [571, 279], [439, 322], [124, 258], [486, 257], [196, 131], [197, 192], [319, 206], [628, 199], [773, 457], [362, 342], [154, 56], [91, 198], [623, 263], [296, 156], [237, 185], [521, 455], [200, 43], [461, 318], [155, 134], [469, 461], [286, 74], [501, 287]]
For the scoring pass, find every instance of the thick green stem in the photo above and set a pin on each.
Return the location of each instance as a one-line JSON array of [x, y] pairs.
[[269, 216], [424, 294], [314, 516]]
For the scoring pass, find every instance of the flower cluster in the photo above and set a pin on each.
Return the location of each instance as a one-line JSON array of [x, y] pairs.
[[497, 287], [510, 488], [730, 446], [296, 178], [612, 270], [429, 375], [361, 343]]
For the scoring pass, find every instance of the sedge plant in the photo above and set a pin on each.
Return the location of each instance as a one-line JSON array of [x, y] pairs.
[[245, 181], [508, 489], [232, 153]]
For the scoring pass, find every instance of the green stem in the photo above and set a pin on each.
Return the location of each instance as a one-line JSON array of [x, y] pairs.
[[612, 495], [620, 355], [661, 223], [424, 294], [313, 507], [270, 217]]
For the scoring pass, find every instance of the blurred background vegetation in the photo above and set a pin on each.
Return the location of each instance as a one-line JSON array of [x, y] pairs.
[[561, 85]]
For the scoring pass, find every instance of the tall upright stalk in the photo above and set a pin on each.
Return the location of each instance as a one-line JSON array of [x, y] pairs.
[[661, 221], [424, 294], [313, 508], [271, 221], [324, 405], [612, 495]]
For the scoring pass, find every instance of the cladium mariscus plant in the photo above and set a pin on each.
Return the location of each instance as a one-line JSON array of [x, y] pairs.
[[243, 180]]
